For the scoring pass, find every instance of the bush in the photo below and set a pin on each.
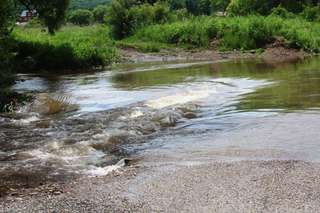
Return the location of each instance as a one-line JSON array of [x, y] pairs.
[[282, 12], [264, 7], [118, 18], [219, 5], [311, 13], [99, 13], [125, 18], [245, 7], [199, 7], [179, 15], [81, 17], [245, 34]]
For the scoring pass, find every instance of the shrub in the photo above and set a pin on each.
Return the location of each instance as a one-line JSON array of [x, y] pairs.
[[177, 4], [99, 13], [245, 33], [311, 13], [118, 18], [125, 18], [264, 7], [179, 15], [199, 7], [219, 5], [282, 12], [245, 7], [81, 17]]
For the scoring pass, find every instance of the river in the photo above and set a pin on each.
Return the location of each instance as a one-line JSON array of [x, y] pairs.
[[83, 124]]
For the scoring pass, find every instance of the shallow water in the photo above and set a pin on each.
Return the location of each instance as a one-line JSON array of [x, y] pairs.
[[130, 109]]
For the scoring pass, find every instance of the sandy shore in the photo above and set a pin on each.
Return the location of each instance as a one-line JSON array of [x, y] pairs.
[[246, 186], [233, 171]]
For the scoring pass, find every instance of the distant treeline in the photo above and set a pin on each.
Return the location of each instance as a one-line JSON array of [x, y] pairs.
[[127, 16], [86, 4]]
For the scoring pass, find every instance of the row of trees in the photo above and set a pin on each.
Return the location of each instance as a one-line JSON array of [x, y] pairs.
[[98, 14], [86, 4], [86, 17]]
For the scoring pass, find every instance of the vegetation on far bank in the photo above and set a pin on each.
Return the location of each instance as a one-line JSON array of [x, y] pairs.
[[72, 47], [229, 33], [86, 4]]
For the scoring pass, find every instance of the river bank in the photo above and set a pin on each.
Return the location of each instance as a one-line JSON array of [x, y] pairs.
[[229, 171], [276, 52]]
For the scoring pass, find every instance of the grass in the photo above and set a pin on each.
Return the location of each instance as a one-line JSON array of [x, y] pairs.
[[142, 46], [242, 33], [71, 48]]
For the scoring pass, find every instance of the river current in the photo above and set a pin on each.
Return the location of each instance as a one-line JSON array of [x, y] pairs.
[[84, 124]]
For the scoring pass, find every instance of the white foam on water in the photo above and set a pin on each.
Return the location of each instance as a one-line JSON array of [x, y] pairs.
[[136, 114], [180, 98], [101, 171], [81, 154], [27, 120]]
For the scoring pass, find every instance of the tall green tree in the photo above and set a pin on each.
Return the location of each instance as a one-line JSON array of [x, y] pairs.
[[7, 19], [52, 12], [219, 5], [81, 17], [100, 12]]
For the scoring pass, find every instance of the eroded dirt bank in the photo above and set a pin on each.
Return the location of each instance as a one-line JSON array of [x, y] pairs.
[[233, 171], [276, 52]]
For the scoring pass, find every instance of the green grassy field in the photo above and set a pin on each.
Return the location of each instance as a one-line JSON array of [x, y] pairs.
[[70, 48]]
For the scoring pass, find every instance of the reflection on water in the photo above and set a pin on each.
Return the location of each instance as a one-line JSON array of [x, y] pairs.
[[132, 105], [294, 86]]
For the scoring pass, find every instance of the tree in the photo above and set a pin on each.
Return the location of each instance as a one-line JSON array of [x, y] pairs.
[[118, 17], [7, 17], [99, 13], [81, 17], [52, 12], [7, 20], [219, 5], [264, 7], [199, 7], [177, 4]]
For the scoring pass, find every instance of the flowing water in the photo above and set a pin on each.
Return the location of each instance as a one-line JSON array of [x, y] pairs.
[[83, 124]]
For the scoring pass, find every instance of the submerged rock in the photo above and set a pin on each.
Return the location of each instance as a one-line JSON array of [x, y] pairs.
[[47, 104], [190, 115], [167, 118]]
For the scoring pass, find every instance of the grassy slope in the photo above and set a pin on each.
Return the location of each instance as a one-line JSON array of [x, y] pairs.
[[71, 47], [242, 33]]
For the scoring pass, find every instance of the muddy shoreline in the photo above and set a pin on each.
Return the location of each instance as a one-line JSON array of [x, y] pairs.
[[274, 53]]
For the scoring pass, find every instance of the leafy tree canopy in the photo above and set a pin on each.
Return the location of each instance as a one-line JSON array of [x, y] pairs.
[[81, 17], [87, 4], [52, 12]]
